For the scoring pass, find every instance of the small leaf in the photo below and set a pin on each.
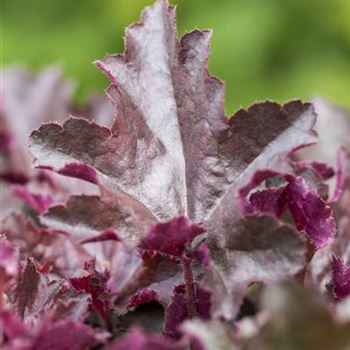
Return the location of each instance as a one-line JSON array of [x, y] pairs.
[[310, 212], [8, 263], [37, 202], [340, 284], [145, 296], [171, 237], [107, 235], [34, 292], [176, 312], [27, 288], [95, 284], [85, 217], [64, 335], [11, 325]]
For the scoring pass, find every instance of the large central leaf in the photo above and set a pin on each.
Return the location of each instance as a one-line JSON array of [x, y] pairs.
[[171, 147], [171, 151]]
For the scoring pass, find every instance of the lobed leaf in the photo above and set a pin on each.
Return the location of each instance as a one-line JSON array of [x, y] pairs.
[[185, 145], [258, 249]]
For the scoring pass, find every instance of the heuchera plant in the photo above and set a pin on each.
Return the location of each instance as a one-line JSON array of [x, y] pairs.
[[153, 221]]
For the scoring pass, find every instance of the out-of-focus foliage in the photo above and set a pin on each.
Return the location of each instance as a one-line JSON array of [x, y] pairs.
[[269, 49]]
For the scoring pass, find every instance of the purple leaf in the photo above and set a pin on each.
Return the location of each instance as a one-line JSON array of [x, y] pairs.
[[270, 200], [309, 211], [200, 156], [107, 235], [258, 249], [115, 237], [11, 325], [87, 216], [131, 271], [31, 99], [64, 335], [171, 237], [8, 264], [340, 284], [33, 293], [95, 284], [126, 268], [202, 254], [28, 100], [39, 203], [65, 256], [7, 142], [14, 177], [333, 127], [80, 171], [171, 151], [27, 288], [176, 312], [143, 297], [322, 169]]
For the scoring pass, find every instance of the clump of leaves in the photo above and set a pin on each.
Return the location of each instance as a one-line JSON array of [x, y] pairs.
[[171, 222]]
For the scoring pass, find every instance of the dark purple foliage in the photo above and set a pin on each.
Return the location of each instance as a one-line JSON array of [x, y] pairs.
[[150, 219], [95, 284], [39, 203], [80, 171], [176, 312], [107, 235], [340, 284], [171, 238], [310, 212], [8, 263]]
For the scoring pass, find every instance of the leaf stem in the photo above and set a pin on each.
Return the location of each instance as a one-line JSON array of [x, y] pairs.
[[301, 276], [189, 286]]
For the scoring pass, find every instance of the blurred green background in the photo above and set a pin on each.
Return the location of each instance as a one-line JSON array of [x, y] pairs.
[[262, 49]]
